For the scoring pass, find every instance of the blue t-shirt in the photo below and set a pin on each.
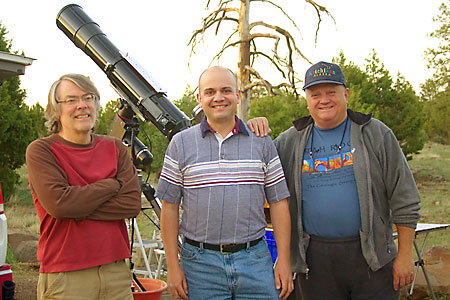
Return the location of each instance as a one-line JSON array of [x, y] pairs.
[[330, 201]]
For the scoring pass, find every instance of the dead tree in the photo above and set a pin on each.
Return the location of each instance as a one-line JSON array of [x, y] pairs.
[[245, 37]]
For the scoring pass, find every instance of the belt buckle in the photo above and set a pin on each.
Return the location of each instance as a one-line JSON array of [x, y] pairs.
[[222, 251]]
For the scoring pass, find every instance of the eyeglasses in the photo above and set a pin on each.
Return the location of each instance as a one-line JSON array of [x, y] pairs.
[[86, 98]]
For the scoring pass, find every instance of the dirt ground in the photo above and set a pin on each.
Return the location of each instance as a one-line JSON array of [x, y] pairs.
[[25, 276]]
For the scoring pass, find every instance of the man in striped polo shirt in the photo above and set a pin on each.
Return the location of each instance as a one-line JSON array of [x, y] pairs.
[[223, 173]]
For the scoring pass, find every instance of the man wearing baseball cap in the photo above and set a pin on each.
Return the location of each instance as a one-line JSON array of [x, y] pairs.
[[349, 183]]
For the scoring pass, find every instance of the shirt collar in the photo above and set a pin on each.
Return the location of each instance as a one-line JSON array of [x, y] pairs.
[[239, 126]]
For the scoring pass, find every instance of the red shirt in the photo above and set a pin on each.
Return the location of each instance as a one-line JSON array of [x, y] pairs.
[[82, 195]]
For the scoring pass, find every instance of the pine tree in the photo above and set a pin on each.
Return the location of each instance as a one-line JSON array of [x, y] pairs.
[[16, 126]]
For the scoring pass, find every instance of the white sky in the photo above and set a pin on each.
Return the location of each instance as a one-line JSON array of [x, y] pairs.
[[156, 33]]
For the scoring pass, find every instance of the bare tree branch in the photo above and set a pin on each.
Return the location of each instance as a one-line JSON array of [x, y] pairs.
[[264, 83], [225, 46], [222, 10], [261, 82], [282, 10], [221, 3], [319, 9], [266, 35], [193, 40], [281, 31], [213, 18], [273, 61], [214, 15], [253, 57], [292, 48], [206, 26], [284, 84], [253, 84]]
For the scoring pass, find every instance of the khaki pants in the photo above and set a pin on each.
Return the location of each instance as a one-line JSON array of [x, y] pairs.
[[107, 282]]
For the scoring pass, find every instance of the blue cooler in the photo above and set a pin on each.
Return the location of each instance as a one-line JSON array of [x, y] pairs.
[[272, 244]]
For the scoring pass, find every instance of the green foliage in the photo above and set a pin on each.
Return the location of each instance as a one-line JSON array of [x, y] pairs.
[[11, 258], [187, 102], [439, 58], [436, 91], [361, 89], [106, 116], [16, 126], [437, 114], [38, 119], [407, 125], [5, 44], [16, 132], [393, 103], [279, 110]]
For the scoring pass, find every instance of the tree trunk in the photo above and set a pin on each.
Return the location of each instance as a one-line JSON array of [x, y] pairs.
[[244, 59]]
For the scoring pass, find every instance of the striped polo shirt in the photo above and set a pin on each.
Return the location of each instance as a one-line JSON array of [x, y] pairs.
[[221, 183]]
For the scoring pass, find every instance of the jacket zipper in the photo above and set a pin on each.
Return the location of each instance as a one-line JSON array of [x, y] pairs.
[[388, 250]]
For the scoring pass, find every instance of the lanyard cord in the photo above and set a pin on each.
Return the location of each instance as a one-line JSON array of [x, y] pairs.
[[339, 146]]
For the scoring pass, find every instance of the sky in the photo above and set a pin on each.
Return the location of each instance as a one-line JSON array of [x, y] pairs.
[[156, 35]]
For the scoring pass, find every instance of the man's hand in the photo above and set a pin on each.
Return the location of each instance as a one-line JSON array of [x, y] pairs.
[[176, 283], [283, 279], [281, 222], [259, 126], [403, 268], [403, 271]]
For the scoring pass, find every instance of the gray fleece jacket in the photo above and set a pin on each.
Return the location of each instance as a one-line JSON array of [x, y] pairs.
[[386, 188]]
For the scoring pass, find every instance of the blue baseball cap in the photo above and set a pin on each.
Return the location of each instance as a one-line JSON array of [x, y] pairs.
[[324, 72]]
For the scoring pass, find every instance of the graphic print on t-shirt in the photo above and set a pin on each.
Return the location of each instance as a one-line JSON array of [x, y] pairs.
[[326, 164]]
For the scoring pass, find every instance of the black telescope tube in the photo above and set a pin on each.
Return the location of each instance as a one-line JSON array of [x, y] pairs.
[[152, 104]]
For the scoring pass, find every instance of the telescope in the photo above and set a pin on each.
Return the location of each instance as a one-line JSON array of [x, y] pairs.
[[141, 92]]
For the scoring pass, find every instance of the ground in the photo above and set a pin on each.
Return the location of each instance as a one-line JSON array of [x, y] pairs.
[[25, 276]]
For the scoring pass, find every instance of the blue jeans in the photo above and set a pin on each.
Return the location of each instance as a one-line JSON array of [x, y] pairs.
[[246, 274]]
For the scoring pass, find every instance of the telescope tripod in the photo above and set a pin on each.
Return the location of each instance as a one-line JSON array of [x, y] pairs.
[[153, 245], [125, 126]]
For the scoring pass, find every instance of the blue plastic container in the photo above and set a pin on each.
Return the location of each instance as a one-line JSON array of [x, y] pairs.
[[272, 245]]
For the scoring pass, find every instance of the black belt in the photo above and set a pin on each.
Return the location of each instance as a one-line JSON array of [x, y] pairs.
[[223, 248]]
